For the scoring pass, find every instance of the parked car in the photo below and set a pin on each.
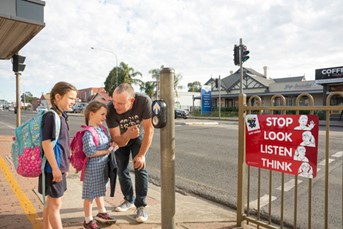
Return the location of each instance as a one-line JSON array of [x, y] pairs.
[[180, 113], [41, 108], [79, 107]]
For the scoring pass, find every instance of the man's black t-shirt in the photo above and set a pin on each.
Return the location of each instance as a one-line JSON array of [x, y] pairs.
[[141, 109]]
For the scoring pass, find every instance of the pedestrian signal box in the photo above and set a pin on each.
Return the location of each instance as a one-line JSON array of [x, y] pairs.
[[159, 114]]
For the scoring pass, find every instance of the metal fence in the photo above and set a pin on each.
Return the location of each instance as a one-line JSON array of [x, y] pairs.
[[247, 174]]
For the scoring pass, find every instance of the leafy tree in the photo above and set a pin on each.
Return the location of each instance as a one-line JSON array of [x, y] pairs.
[[27, 97], [194, 86], [155, 74], [148, 88], [125, 74]]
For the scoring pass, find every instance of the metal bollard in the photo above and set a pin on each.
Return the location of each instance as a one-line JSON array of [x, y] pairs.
[[167, 141]]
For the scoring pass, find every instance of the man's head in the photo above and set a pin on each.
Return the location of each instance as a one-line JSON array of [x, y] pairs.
[[123, 98]]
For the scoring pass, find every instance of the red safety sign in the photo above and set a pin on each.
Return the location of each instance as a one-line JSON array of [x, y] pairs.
[[284, 143]]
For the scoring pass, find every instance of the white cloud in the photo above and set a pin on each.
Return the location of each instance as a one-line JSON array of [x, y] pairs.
[[196, 38]]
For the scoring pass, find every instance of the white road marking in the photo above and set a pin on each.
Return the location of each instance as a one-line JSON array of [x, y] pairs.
[[338, 154], [289, 185], [323, 161], [9, 126], [264, 200]]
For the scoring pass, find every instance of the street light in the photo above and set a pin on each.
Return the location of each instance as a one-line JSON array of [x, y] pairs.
[[105, 50]]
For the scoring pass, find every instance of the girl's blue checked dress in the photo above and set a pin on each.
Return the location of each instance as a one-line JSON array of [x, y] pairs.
[[96, 172]]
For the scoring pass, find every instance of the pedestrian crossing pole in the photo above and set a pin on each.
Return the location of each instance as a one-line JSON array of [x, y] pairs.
[[167, 147]]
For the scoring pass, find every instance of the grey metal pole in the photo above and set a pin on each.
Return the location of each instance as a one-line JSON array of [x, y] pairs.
[[241, 147], [167, 139], [17, 77], [241, 64], [116, 69], [220, 99]]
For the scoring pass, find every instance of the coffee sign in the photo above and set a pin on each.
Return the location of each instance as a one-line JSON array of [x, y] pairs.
[[329, 75], [284, 143]]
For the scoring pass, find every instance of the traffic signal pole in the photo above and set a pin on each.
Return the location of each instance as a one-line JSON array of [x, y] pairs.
[[17, 79], [241, 64], [18, 66], [241, 145]]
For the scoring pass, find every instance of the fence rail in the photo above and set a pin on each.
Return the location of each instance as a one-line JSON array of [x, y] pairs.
[[245, 172]]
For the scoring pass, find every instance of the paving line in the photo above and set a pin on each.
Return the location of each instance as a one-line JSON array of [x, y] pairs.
[[323, 161], [289, 185], [264, 200], [338, 154], [29, 210]]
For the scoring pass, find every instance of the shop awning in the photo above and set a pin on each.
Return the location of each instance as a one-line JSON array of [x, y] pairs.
[[20, 21]]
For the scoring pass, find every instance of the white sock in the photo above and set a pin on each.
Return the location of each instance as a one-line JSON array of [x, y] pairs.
[[88, 219], [102, 210]]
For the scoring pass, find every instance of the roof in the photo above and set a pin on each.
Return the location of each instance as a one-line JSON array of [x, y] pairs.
[[102, 97], [290, 79], [230, 81]]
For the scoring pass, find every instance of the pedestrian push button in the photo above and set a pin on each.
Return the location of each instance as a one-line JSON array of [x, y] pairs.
[[159, 114]]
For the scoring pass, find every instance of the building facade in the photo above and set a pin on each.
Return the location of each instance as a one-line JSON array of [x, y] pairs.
[[257, 84]]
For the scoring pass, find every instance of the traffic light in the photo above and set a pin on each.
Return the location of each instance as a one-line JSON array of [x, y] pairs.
[[245, 53], [216, 83], [18, 63], [236, 55]]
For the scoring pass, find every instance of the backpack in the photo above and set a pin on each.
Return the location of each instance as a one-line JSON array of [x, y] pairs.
[[78, 158], [27, 146]]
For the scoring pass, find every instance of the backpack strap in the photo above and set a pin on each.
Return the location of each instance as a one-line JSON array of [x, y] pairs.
[[93, 132], [96, 142], [57, 132]]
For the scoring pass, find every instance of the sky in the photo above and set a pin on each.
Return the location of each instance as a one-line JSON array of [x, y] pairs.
[[194, 37]]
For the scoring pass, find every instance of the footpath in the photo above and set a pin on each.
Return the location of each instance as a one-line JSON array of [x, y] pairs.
[[21, 206]]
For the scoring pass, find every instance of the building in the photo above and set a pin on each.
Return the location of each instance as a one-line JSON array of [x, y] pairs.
[[257, 84], [85, 95], [102, 97], [185, 100]]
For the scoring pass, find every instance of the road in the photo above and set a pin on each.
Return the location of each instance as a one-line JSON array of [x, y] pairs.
[[206, 165]]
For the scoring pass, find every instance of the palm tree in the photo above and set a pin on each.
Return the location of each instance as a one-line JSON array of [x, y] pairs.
[[129, 74], [126, 74], [148, 88], [155, 74]]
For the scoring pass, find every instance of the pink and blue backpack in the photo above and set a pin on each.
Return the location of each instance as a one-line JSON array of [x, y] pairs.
[[78, 158], [27, 152]]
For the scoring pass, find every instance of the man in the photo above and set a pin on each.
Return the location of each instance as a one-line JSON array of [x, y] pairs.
[[129, 123]]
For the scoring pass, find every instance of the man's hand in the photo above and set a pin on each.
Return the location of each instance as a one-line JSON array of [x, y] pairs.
[[132, 132], [139, 162]]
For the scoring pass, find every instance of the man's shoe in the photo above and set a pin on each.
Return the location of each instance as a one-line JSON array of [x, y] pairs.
[[90, 225], [104, 218], [126, 205], [142, 215]]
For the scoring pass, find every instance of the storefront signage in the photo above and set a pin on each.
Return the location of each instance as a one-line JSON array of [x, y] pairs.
[[329, 75], [283, 143]]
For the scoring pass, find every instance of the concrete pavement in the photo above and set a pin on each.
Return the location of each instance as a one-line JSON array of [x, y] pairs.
[[21, 207]]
